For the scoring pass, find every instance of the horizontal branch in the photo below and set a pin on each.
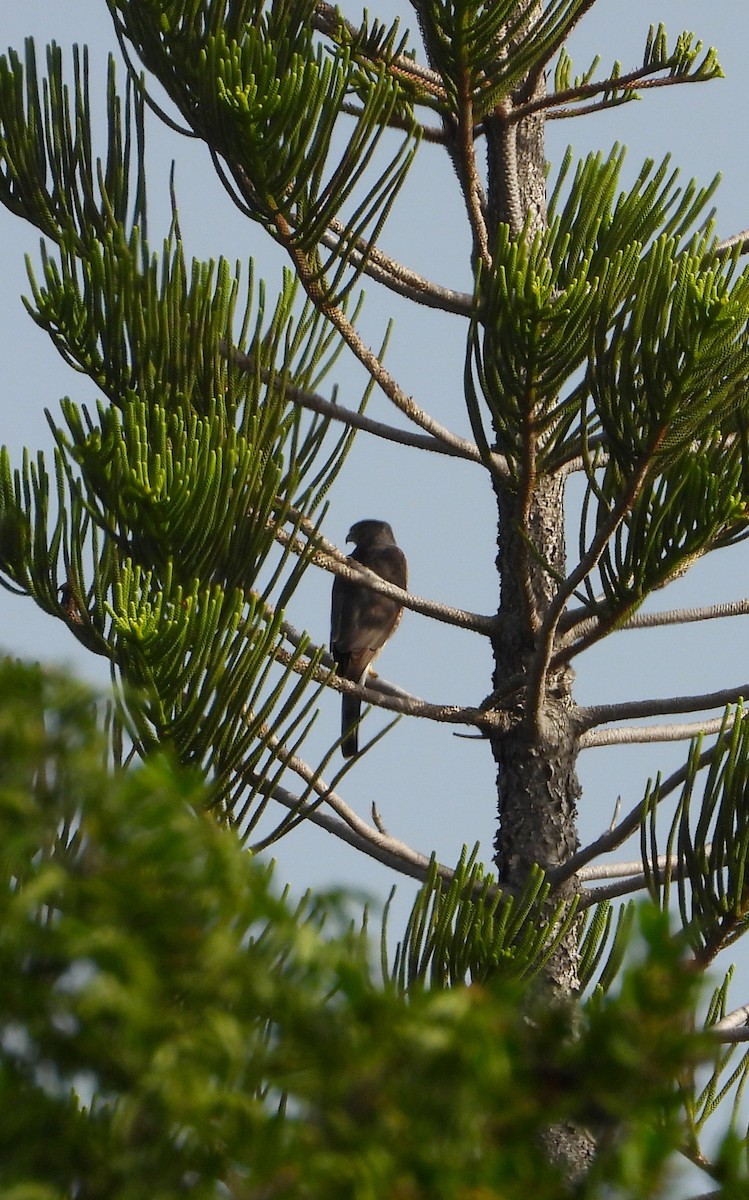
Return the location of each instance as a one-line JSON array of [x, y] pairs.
[[635, 879], [636, 883], [738, 1019], [686, 616], [576, 619], [622, 870], [639, 79], [600, 714], [393, 699], [729, 244], [641, 734], [728, 1037], [330, 558]]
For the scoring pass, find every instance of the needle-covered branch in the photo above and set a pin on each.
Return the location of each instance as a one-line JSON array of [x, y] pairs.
[[618, 88]]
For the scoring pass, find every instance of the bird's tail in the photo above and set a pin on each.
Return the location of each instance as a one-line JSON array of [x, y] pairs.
[[350, 714]]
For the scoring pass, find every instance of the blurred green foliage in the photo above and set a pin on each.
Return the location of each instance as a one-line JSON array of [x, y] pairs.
[[170, 1024]]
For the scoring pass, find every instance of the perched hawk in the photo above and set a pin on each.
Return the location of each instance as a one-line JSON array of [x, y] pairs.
[[361, 620]]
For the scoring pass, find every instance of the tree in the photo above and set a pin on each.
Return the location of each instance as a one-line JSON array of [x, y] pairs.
[[605, 339]]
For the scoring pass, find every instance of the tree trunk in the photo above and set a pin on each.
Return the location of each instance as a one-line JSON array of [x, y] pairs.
[[537, 784]]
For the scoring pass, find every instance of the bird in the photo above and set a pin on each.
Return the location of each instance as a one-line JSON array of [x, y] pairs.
[[362, 621]]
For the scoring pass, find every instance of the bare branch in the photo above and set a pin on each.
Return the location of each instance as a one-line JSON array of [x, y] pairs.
[[634, 878], [600, 714], [394, 699], [675, 616], [640, 734], [327, 556], [400, 279], [349, 416], [636, 883], [684, 616], [728, 245], [730, 1036], [622, 870], [733, 1020]]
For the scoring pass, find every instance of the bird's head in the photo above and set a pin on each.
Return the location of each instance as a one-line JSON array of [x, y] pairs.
[[370, 532]]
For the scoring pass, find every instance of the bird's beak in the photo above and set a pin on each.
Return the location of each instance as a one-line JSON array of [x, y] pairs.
[[350, 536]]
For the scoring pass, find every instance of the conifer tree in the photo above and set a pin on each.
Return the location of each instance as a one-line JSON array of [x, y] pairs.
[[605, 338]]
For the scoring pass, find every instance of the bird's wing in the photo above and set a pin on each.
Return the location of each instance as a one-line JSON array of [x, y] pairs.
[[362, 620]]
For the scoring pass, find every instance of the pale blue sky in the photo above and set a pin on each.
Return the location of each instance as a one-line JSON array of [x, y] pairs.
[[445, 793]]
